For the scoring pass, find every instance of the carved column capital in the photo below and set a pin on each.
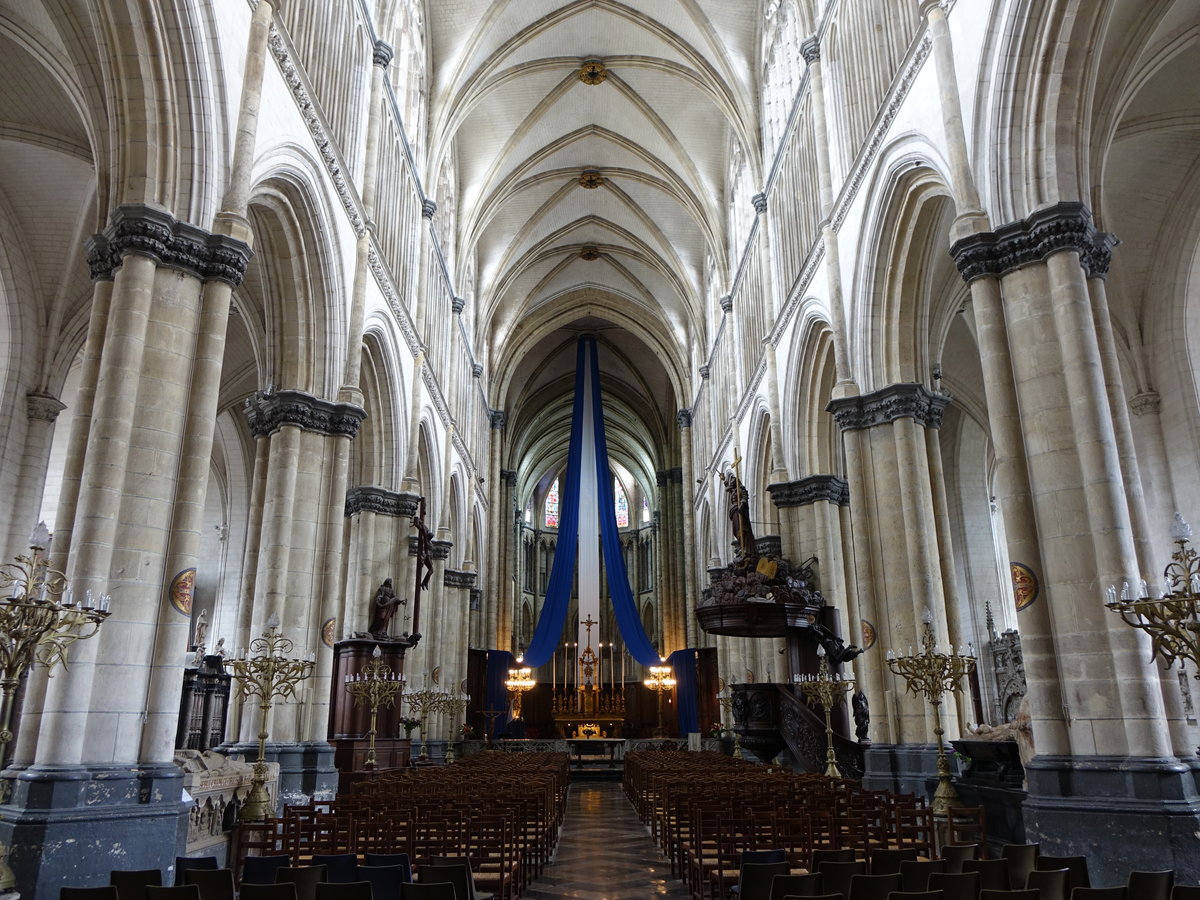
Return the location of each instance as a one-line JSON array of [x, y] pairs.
[[806, 491], [428, 208], [499, 419], [382, 54], [810, 49], [1063, 226], [896, 401], [683, 418], [760, 202], [476, 370], [508, 478], [267, 412], [379, 500], [457, 305], [1145, 403], [454, 578], [43, 407], [727, 304]]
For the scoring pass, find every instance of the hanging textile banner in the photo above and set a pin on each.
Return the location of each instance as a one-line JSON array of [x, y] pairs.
[[586, 501], [686, 689]]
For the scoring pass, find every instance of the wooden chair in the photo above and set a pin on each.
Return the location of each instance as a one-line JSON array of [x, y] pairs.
[[183, 863], [1185, 892], [344, 890], [756, 878], [1023, 894], [256, 891], [106, 892], [808, 885], [873, 887], [956, 854], [966, 825], [385, 881], [1022, 859], [443, 891], [916, 895], [387, 860], [1105, 893], [305, 878], [474, 893], [339, 867], [1051, 882], [1075, 865], [176, 892], [956, 885], [993, 873], [886, 860], [836, 875]]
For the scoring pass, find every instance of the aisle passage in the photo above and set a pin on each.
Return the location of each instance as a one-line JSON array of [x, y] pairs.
[[604, 852]]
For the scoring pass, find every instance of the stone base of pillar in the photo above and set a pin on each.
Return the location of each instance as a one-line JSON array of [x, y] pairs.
[[902, 768], [306, 769], [72, 825], [1121, 812]]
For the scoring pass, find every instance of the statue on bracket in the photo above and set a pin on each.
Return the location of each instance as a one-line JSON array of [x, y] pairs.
[[383, 608], [835, 647]]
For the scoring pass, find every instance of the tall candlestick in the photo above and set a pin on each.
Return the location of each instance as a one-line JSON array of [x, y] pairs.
[[553, 672]]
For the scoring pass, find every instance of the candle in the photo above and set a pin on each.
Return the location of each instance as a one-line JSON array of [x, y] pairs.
[[553, 671]]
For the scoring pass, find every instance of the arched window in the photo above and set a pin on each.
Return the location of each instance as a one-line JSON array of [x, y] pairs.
[[552, 505], [645, 511], [622, 503]]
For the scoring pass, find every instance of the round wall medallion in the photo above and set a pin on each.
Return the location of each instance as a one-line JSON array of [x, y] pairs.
[[590, 179], [868, 634], [589, 253], [327, 631], [182, 587], [1025, 586]]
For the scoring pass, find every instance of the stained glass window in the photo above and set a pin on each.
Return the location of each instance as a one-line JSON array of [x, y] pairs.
[[622, 505], [552, 505]]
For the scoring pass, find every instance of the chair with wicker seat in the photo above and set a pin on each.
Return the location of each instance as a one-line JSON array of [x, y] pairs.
[[835, 876], [131, 884], [873, 887], [956, 885], [966, 825], [993, 873], [214, 884], [1151, 885], [914, 873], [807, 885]]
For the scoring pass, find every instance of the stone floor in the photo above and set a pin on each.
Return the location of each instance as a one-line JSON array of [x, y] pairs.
[[604, 852]]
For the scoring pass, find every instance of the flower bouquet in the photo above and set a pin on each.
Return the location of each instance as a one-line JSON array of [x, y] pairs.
[[408, 725]]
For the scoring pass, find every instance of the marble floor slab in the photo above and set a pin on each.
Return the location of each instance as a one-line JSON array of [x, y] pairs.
[[604, 852]]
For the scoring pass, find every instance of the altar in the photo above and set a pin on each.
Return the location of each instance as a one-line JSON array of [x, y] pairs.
[[612, 748]]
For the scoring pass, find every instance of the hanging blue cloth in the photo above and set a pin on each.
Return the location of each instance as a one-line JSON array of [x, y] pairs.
[[562, 574], [496, 694], [686, 689]]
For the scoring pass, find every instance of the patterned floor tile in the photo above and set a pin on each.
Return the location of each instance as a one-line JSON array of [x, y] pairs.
[[604, 852]]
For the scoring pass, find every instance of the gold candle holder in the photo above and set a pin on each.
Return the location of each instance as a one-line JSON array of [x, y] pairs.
[[39, 620], [932, 674], [376, 687], [269, 675], [425, 703], [825, 690], [1173, 618], [660, 681]]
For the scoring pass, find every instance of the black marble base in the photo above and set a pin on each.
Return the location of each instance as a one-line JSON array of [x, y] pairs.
[[902, 768], [306, 770], [72, 825], [1121, 812]]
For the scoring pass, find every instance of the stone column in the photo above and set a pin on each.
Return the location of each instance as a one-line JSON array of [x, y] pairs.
[[41, 411], [690, 566], [500, 621]]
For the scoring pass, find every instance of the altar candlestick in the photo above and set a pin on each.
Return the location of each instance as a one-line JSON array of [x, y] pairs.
[[553, 672]]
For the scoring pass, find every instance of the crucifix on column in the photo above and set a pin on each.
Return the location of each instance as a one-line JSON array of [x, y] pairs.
[[587, 659]]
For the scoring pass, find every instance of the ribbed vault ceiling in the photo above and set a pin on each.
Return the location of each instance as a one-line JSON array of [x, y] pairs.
[[614, 189]]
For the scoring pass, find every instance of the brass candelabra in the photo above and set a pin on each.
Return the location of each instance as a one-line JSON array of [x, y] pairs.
[[1172, 619], [375, 687], [455, 705], [660, 680], [425, 703], [520, 681], [39, 620], [265, 671], [932, 674], [826, 690]]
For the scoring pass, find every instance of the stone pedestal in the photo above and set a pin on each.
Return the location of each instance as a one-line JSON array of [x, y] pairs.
[[217, 784], [1121, 812]]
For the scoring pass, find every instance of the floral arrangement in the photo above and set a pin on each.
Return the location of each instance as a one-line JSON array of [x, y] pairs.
[[467, 731], [409, 724], [718, 729]]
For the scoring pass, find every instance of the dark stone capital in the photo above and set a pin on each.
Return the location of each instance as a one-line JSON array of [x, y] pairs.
[[382, 54], [457, 305], [154, 233], [663, 477], [428, 208], [267, 412], [727, 304], [456, 579], [683, 418], [440, 549], [499, 420], [806, 491], [508, 477], [1063, 226], [810, 49], [476, 370], [760, 202], [896, 401], [43, 407], [369, 498], [705, 371]]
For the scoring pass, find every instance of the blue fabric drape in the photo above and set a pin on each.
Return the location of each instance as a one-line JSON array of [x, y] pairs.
[[496, 694], [629, 621], [562, 573], [686, 689]]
